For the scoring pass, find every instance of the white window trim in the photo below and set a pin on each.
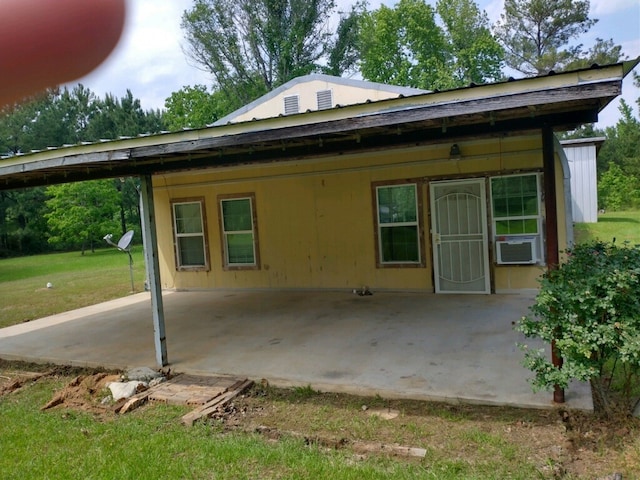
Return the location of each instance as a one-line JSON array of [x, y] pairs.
[[415, 223], [539, 250], [201, 234], [254, 235]]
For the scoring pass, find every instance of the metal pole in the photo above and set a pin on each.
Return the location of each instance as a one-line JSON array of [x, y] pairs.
[[151, 257], [133, 288]]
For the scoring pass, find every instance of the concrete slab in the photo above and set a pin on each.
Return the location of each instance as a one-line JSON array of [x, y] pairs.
[[401, 345]]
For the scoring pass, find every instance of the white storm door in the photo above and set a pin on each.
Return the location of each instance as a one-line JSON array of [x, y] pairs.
[[459, 236]]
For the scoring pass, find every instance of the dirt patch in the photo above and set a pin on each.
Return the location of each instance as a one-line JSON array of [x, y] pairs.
[[560, 443], [85, 392]]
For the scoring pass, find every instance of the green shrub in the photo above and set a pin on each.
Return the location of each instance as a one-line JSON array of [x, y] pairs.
[[617, 190], [590, 306]]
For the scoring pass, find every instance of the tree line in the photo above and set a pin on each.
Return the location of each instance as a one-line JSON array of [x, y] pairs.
[[252, 46], [74, 215]]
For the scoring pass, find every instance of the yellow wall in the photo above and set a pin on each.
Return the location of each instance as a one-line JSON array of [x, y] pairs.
[[316, 218]]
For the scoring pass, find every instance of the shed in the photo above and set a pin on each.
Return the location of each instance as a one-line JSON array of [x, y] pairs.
[[581, 155]]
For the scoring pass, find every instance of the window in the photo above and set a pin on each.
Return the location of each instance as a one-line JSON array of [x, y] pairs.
[[398, 228], [291, 105], [515, 202], [238, 224], [189, 231]]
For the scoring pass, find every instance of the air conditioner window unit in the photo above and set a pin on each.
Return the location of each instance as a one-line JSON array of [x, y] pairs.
[[517, 250]]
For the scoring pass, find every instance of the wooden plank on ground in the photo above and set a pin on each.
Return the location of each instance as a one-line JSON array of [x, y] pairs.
[[211, 407], [134, 402]]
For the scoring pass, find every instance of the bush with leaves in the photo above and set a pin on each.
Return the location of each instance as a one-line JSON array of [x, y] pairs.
[[590, 307], [618, 190]]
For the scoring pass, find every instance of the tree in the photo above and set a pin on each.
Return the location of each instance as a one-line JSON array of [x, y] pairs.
[[536, 35], [252, 46], [476, 56], [403, 46], [81, 213], [52, 119], [122, 117], [623, 141], [22, 222], [617, 191], [406, 46], [603, 52], [195, 107], [590, 308], [343, 49]]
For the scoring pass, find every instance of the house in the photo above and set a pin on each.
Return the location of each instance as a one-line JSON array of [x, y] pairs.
[[462, 191], [581, 155]]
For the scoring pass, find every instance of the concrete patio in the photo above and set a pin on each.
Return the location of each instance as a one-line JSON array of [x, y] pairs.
[[401, 345]]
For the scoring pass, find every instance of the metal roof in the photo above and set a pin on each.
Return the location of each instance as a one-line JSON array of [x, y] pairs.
[[562, 101]]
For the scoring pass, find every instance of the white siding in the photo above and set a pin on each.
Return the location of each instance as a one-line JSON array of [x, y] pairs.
[[584, 191]]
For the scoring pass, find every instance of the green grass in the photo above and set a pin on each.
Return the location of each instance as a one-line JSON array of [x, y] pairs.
[[78, 281], [623, 226], [151, 443]]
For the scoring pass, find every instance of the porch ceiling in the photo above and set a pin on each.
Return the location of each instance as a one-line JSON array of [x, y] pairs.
[[476, 111]]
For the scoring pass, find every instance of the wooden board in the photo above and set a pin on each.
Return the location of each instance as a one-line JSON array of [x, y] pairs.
[[212, 406], [191, 389]]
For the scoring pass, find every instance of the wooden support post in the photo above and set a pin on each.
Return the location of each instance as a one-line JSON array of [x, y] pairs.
[[551, 229], [153, 268]]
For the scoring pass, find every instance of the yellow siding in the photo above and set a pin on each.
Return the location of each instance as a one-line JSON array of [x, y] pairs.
[[306, 92], [316, 218]]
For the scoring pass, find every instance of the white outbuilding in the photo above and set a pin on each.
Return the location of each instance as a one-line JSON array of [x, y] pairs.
[[581, 154]]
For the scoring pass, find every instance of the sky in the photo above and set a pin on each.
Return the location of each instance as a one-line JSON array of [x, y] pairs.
[[150, 61]]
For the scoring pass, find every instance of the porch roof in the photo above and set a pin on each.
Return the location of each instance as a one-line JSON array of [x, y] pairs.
[[560, 101]]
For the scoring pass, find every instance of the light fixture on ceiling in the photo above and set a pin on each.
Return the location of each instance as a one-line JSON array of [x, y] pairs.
[[454, 152]]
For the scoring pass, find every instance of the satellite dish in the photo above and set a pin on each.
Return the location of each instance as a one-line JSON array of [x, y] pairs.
[[125, 241]]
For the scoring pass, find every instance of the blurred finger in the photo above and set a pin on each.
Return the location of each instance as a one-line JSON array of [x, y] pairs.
[[44, 43]]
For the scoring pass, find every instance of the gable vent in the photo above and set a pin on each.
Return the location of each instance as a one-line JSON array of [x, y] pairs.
[[325, 99], [291, 105]]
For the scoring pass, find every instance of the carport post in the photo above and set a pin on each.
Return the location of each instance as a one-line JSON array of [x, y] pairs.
[[153, 267], [551, 224]]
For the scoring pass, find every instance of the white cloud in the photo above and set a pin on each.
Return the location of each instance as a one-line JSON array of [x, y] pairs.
[[149, 59], [606, 7], [494, 9]]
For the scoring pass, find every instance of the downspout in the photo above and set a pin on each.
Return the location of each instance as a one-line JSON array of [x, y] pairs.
[[551, 227], [153, 267]]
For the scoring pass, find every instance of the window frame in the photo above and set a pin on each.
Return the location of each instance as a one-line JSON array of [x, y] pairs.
[[226, 265], [418, 223], [176, 236], [539, 218]]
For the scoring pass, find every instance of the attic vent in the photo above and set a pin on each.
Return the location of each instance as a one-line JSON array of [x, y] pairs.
[[325, 99], [291, 105]]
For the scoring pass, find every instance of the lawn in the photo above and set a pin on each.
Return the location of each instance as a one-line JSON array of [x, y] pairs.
[[621, 226], [300, 433], [77, 281]]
